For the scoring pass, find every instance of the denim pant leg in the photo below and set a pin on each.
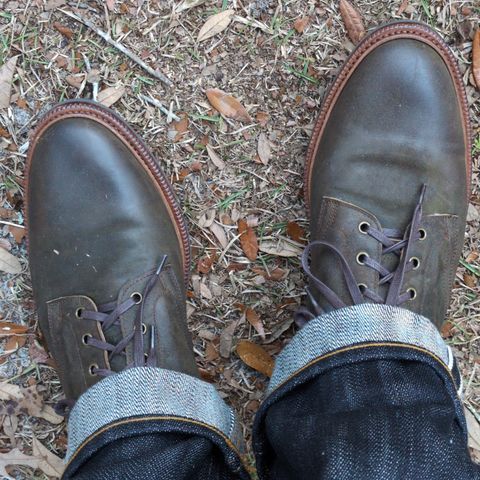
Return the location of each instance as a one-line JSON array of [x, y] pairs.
[[368, 392], [150, 423]]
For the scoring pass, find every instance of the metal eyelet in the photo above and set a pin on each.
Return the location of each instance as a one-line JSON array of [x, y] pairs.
[[363, 227], [423, 233], [136, 297], [92, 368], [78, 312], [85, 338], [415, 261], [144, 329], [361, 258], [362, 287], [412, 292]]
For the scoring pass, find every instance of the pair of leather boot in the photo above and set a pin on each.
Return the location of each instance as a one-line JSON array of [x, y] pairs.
[[386, 183]]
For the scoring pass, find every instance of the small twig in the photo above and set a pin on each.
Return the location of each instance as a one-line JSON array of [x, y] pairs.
[[4, 222], [119, 46], [160, 106]]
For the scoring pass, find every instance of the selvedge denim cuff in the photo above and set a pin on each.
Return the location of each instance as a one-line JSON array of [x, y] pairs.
[[355, 327], [155, 393]]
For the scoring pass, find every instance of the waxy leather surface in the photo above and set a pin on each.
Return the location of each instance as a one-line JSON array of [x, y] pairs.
[[394, 120], [100, 218]]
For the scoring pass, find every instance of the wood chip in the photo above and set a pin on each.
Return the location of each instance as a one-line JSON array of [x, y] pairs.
[[227, 105], [353, 21], [215, 24], [6, 78], [255, 357]]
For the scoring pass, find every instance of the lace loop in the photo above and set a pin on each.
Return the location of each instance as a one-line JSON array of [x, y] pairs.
[[109, 314], [393, 241]]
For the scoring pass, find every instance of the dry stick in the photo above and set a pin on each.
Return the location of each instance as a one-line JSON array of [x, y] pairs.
[[159, 105], [119, 46]]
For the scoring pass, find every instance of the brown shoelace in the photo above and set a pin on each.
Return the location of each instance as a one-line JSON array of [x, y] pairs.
[[393, 241], [109, 314]]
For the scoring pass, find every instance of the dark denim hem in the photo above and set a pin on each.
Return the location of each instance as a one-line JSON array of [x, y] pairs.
[[140, 425], [358, 353]]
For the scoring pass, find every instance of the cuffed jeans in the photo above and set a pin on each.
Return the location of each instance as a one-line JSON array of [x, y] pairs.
[[365, 392]]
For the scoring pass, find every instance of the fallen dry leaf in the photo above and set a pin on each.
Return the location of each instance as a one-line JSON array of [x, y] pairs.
[[110, 95], [295, 232], [6, 78], [10, 328], [204, 265], [264, 150], [16, 457], [301, 24], [353, 21], [248, 240], [177, 130], [9, 391], [53, 4], [219, 233], [20, 400], [275, 275], [470, 280], [49, 463], [473, 430], [255, 357], [5, 244], [227, 105], [262, 118], [447, 330], [476, 58], [75, 81], [403, 6], [13, 343], [256, 322], [226, 339], [215, 24], [280, 248], [17, 232], [215, 158], [110, 4], [9, 263], [65, 31], [186, 4]]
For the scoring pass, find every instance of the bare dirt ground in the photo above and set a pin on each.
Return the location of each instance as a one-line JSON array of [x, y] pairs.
[[279, 73]]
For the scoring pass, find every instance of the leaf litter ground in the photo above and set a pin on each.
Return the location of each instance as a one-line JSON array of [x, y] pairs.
[[231, 134]]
